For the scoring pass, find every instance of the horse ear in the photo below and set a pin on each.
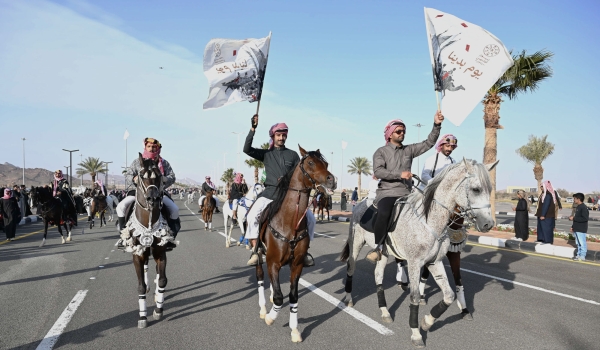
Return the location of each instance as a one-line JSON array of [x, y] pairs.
[[318, 151], [468, 165], [302, 151], [141, 160], [489, 167]]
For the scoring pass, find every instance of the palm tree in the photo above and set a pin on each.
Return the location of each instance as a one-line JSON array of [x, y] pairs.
[[257, 164], [91, 166], [525, 75], [228, 179], [536, 151], [359, 165]]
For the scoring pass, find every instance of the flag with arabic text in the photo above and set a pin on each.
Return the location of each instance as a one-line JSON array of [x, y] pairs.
[[235, 70], [466, 60]]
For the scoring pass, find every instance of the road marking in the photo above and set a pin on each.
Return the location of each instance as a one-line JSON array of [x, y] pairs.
[[219, 232], [530, 253], [533, 287], [322, 234], [59, 326], [351, 311]]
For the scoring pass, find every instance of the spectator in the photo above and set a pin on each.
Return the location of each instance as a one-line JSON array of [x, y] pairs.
[[354, 197], [27, 204], [521, 217], [580, 225], [344, 201], [9, 209], [546, 214]]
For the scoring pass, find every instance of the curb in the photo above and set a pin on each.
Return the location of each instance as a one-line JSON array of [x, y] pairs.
[[533, 216], [29, 219], [548, 249]]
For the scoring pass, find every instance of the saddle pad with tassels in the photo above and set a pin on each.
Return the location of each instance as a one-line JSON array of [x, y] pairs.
[[367, 221]]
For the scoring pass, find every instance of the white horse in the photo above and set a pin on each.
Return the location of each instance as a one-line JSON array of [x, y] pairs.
[[191, 196], [244, 205]]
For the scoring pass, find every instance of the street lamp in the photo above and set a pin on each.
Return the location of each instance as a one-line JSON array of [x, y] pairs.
[[81, 162], [106, 174], [67, 170], [71, 163], [238, 149], [23, 160]]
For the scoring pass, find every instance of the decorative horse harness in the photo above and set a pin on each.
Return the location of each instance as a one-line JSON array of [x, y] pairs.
[[304, 233]]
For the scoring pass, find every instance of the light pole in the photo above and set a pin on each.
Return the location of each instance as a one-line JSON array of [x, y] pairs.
[[106, 174], [23, 160], [71, 164], [238, 149], [418, 125], [80, 162], [67, 169]]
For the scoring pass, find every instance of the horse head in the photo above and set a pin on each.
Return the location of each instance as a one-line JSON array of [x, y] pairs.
[[314, 167], [150, 182]]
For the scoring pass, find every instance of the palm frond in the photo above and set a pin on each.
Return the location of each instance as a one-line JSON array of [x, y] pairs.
[[536, 150], [359, 165]]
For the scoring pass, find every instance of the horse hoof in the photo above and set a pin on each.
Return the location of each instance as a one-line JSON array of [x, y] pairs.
[[63, 241], [262, 315], [238, 244], [269, 321], [296, 337], [43, 242], [68, 239], [404, 286], [422, 301], [418, 342], [387, 319], [226, 245], [157, 315], [350, 304], [247, 247], [467, 316], [143, 323]]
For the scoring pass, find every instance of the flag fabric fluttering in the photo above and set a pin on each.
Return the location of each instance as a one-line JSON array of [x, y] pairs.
[[466, 60], [344, 144], [126, 135], [235, 70]]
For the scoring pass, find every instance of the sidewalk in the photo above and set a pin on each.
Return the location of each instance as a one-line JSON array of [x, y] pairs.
[[561, 247]]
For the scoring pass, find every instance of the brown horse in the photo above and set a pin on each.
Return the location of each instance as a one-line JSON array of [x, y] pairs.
[[208, 208], [322, 204], [284, 233], [149, 230], [98, 206]]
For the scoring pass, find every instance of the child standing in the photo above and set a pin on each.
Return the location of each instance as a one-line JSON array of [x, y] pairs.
[[580, 225]]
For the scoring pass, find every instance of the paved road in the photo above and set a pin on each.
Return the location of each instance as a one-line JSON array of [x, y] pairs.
[[518, 300]]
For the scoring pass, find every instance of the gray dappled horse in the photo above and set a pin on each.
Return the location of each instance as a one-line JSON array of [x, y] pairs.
[[420, 237]]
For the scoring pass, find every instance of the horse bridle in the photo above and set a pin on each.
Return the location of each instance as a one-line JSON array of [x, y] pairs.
[[145, 189]]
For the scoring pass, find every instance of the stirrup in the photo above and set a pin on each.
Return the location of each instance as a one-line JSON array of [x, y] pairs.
[[372, 259], [309, 261]]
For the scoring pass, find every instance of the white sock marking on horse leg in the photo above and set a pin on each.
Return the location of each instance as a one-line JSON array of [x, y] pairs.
[[271, 289], [460, 297], [274, 312], [261, 295], [142, 302], [146, 275], [160, 297], [294, 316], [422, 287]]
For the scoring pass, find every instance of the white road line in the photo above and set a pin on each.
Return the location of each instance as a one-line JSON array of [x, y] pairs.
[[219, 232], [533, 287], [351, 311], [59, 326], [322, 234]]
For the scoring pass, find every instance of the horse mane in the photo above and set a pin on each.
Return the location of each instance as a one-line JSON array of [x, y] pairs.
[[479, 170], [280, 192]]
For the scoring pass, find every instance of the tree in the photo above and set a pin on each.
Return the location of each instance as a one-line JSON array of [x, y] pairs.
[[563, 193], [527, 72], [257, 164], [91, 166], [228, 179], [535, 152], [359, 165]]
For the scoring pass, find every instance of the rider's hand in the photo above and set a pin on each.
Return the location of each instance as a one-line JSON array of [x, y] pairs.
[[254, 121], [438, 118], [135, 178], [406, 175]]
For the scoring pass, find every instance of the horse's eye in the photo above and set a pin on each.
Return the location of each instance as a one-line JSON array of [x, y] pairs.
[[311, 163], [476, 190]]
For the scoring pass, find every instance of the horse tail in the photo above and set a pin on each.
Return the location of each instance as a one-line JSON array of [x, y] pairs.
[[345, 252]]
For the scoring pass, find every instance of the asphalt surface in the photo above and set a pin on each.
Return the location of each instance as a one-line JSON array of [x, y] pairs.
[[518, 300]]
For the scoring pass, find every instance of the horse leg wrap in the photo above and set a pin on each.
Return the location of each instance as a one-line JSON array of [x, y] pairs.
[[261, 294], [294, 316], [381, 296], [274, 312], [422, 286], [439, 309], [146, 275], [348, 284], [142, 302], [413, 319], [160, 297], [460, 297]]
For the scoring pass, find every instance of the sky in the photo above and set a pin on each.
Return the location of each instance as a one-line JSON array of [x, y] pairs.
[[76, 74]]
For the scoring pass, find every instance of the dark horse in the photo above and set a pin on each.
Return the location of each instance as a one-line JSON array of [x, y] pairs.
[[284, 233], [98, 206], [322, 203], [51, 210], [148, 229]]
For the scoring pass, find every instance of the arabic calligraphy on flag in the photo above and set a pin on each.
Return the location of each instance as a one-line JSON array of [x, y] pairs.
[[235, 70], [466, 61]]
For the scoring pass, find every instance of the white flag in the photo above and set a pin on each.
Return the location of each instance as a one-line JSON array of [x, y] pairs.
[[126, 135], [344, 144], [235, 70], [466, 61]]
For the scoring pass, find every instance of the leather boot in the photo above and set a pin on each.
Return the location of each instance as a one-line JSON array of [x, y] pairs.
[[253, 260], [121, 222]]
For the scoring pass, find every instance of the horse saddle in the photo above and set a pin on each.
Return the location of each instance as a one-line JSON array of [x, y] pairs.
[[367, 221]]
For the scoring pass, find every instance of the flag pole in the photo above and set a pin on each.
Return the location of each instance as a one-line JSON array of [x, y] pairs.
[[437, 99]]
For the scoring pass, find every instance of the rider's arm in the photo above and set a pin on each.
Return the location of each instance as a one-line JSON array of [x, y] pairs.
[[251, 151], [419, 148], [379, 167], [169, 174]]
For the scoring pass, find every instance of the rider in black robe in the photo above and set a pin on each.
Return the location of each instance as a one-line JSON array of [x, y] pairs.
[[62, 190]]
